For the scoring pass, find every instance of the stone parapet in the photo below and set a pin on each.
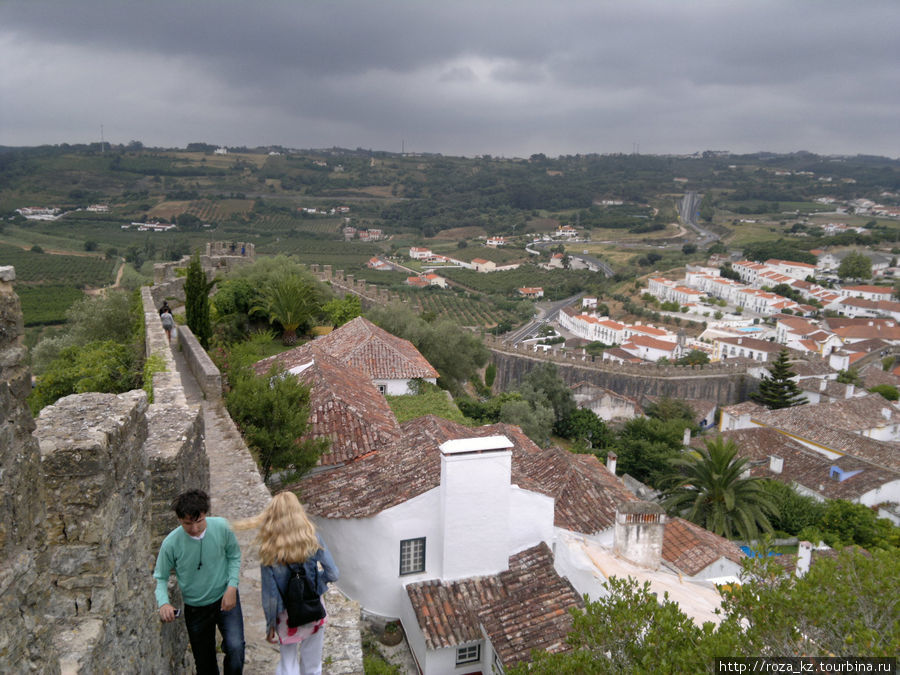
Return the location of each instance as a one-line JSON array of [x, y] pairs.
[[24, 591], [168, 290], [343, 642], [98, 526], [178, 461], [202, 367]]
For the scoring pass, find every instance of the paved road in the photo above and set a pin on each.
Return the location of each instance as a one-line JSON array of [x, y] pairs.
[[546, 312], [689, 211]]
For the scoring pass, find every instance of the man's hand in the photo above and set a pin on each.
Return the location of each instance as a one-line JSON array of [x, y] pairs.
[[271, 636], [229, 600], [167, 613]]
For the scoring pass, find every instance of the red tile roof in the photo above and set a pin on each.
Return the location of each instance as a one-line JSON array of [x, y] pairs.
[[692, 549], [523, 608], [362, 344], [344, 406], [585, 493]]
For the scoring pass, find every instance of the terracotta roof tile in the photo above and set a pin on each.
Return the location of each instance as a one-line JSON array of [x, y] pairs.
[[586, 493], [692, 549], [375, 351], [806, 467], [344, 406], [523, 608]]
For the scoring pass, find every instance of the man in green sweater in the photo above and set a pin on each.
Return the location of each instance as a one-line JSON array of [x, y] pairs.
[[206, 558]]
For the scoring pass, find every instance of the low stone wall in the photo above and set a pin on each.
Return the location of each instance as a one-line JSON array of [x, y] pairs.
[[202, 368]]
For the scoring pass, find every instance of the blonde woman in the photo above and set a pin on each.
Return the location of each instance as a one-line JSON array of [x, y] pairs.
[[287, 536]]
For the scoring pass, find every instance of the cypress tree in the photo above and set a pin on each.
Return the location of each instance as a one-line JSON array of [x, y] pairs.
[[196, 303], [779, 390]]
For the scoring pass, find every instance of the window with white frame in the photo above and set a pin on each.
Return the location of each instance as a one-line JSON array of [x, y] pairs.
[[497, 665], [468, 654], [412, 555]]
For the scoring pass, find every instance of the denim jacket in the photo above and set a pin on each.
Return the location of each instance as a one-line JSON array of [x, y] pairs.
[[275, 579]]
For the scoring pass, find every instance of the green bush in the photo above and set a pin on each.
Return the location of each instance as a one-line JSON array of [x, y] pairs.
[[103, 366], [272, 412]]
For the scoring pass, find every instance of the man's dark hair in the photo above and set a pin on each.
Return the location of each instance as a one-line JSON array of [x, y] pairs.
[[191, 504]]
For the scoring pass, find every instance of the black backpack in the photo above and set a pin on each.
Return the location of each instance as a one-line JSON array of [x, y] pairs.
[[301, 600]]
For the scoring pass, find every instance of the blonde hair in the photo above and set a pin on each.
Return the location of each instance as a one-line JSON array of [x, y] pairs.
[[286, 534]]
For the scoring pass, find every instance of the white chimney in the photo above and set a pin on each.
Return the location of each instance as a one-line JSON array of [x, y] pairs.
[[776, 464], [851, 389], [886, 413], [686, 437], [823, 384], [804, 558], [638, 536], [475, 506], [611, 462]]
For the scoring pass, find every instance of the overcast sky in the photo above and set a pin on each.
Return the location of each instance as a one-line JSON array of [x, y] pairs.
[[506, 78]]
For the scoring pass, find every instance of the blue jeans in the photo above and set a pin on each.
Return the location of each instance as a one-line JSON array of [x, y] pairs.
[[201, 625]]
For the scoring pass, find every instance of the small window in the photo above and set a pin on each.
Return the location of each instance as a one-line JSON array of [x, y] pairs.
[[382, 388], [412, 555], [468, 654], [497, 665]]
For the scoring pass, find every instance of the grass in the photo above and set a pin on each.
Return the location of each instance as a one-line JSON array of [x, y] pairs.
[[432, 401]]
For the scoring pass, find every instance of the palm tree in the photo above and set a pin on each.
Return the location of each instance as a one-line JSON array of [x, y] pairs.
[[291, 301], [711, 492]]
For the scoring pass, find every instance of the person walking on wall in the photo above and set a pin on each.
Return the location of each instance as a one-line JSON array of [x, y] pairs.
[[165, 308], [286, 536], [168, 323], [206, 558]]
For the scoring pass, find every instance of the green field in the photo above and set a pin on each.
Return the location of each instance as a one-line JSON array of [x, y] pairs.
[[69, 270], [46, 305], [466, 311]]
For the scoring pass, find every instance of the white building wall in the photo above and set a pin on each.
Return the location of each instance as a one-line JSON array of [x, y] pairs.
[[723, 567], [532, 519], [572, 562], [889, 492], [367, 551], [398, 387]]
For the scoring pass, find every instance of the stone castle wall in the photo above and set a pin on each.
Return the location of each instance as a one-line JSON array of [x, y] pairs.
[[726, 383], [25, 634], [85, 504]]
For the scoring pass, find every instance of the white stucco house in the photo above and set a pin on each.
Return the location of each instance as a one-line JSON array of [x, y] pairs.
[[448, 507]]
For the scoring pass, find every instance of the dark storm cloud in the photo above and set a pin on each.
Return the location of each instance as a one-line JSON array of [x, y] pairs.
[[493, 76]]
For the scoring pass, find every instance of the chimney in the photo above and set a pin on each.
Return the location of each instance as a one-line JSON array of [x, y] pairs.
[[639, 531], [823, 384], [776, 464], [611, 462], [804, 558], [475, 506], [886, 413], [851, 389], [686, 437]]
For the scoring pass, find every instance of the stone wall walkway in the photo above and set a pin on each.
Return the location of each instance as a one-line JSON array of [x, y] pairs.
[[237, 491]]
